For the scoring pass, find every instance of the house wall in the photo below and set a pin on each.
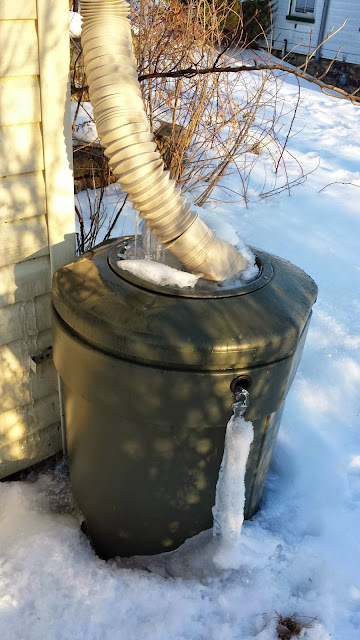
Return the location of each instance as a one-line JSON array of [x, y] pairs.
[[299, 34], [349, 36], [36, 220]]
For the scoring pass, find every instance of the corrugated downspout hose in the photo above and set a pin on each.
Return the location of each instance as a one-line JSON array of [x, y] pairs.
[[124, 131]]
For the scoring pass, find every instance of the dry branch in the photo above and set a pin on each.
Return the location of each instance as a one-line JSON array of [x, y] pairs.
[[191, 72]]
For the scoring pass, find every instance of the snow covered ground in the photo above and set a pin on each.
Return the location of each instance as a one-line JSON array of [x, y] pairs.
[[301, 552]]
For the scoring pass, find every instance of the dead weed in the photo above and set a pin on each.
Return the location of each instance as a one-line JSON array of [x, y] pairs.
[[291, 626]]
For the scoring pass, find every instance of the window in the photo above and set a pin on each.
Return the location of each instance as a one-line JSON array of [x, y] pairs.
[[302, 11], [304, 6]]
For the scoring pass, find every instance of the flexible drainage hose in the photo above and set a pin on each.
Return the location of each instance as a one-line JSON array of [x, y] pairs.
[[124, 131]]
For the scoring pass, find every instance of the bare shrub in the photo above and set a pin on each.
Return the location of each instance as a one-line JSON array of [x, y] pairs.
[[214, 106], [77, 70], [94, 216], [224, 118]]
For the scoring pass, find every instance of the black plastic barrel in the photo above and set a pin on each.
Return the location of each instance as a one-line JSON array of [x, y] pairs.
[[148, 375]]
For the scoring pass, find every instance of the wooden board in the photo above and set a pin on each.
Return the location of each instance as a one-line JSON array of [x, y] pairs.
[[53, 30], [22, 196], [21, 149], [30, 450], [23, 239], [22, 320], [29, 419], [19, 48], [14, 357], [17, 9], [24, 389], [19, 100], [24, 280]]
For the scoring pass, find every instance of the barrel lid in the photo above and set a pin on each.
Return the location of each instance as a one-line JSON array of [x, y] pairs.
[[203, 289], [244, 327]]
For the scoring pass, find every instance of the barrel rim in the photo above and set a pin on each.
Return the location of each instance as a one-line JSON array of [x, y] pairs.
[[265, 276]]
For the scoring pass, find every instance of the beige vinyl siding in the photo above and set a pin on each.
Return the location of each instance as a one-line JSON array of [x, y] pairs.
[[24, 389], [14, 356], [23, 239], [36, 204], [19, 100], [18, 10], [30, 449], [53, 26], [22, 196], [19, 48], [24, 281], [23, 421], [18, 321], [21, 149]]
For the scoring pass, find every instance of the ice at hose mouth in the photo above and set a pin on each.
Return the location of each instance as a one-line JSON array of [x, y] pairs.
[[148, 260], [159, 273]]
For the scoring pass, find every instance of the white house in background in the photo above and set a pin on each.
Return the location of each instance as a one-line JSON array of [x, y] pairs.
[[300, 23]]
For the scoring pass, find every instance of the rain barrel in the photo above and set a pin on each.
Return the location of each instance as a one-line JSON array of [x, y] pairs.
[[148, 376]]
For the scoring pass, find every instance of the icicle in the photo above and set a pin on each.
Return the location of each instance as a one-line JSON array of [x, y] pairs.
[[228, 511]]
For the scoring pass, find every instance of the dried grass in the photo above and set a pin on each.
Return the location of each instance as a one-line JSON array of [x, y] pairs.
[[291, 626]]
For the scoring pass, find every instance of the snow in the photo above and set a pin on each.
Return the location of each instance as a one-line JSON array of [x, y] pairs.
[[301, 552], [75, 22], [85, 128], [163, 271], [159, 273]]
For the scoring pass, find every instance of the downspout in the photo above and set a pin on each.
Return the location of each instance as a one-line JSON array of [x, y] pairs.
[[284, 53], [124, 131], [322, 28]]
